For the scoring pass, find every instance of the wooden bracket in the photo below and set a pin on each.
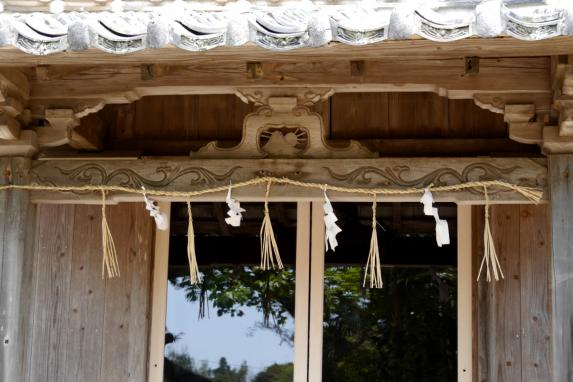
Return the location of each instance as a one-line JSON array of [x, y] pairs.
[[283, 128], [57, 133], [523, 127], [306, 96]]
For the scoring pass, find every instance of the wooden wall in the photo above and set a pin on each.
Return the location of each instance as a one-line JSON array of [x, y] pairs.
[[86, 328], [174, 125], [512, 317]]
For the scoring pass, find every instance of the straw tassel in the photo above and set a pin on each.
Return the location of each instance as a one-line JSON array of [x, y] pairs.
[[194, 277], [373, 267], [110, 263], [270, 257], [490, 259]]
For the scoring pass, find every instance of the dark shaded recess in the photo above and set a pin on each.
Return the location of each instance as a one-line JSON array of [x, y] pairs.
[[394, 124]]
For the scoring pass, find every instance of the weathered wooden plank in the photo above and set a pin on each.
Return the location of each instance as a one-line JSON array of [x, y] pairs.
[[140, 264], [123, 84], [505, 362], [16, 242], [194, 174], [561, 212], [87, 290], [480, 301], [51, 292], [535, 288], [127, 298], [117, 307], [512, 317], [416, 48]]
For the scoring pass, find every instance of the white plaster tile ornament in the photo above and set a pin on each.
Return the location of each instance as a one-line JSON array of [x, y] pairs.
[[360, 25], [527, 22], [119, 32], [200, 26], [489, 18], [160, 218], [446, 23], [331, 228], [235, 211], [39, 34], [280, 29], [402, 23], [198, 31]]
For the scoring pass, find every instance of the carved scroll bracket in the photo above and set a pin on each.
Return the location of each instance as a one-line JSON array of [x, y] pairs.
[[283, 128], [544, 118], [304, 96]]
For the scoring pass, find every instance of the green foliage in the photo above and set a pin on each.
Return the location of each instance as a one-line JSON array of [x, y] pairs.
[[403, 332], [276, 373], [181, 367], [230, 289]]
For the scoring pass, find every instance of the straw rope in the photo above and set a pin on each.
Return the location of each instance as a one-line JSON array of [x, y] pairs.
[[373, 269], [490, 259], [270, 257], [110, 263], [530, 193], [194, 277]]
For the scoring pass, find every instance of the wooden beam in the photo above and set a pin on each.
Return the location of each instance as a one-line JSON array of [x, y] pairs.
[[413, 48], [188, 174], [561, 188], [123, 84]]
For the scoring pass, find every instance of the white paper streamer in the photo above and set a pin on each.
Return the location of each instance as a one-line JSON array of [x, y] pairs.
[[159, 217], [331, 229], [442, 230], [428, 201], [235, 211]]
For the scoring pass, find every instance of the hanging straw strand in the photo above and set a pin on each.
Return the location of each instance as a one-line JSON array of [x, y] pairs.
[[270, 257], [110, 263], [194, 277], [490, 259], [373, 269]]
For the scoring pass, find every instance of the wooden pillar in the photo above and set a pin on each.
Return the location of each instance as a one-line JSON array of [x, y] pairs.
[[16, 250], [561, 195]]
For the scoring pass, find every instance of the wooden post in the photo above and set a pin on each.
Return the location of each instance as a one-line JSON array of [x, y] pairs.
[[561, 195], [16, 249]]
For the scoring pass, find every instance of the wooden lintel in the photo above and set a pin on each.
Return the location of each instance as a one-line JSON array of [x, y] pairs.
[[123, 84], [188, 174], [413, 48]]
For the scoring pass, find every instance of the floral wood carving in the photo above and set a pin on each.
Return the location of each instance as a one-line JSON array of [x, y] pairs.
[[398, 175], [161, 176], [283, 130]]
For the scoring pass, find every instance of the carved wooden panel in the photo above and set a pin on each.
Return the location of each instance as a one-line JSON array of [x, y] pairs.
[[188, 175]]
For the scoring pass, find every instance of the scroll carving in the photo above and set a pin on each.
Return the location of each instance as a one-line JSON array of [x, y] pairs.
[[283, 130]]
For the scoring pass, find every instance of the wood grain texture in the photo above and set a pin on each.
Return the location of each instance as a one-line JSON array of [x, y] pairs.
[[417, 48], [386, 122], [51, 297], [512, 317], [447, 77], [195, 174], [560, 170], [16, 225], [535, 293], [87, 328]]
